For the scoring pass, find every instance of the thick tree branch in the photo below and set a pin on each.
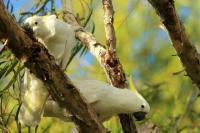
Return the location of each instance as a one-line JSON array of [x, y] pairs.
[[109, 62], [181, 42], [37, 59]]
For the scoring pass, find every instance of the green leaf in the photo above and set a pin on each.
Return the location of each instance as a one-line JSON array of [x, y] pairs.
[[3, 71], [131, 83], [11, 67], [10, 114], [13, 79]]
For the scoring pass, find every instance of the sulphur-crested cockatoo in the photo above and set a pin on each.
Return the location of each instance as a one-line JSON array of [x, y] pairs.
[[59, 38], [106, 100]]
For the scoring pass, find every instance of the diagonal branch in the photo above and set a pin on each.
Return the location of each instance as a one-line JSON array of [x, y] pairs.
[[108, 60], [181, 42], [84, 36], [37, 59]]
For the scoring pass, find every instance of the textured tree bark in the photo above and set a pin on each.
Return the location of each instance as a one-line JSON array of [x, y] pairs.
[[37, 59], [181, 42], [112, 69], [108, 24]]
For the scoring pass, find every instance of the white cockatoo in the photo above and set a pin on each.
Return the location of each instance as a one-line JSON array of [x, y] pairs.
[[56, 35], [59, 38], [106, 100]]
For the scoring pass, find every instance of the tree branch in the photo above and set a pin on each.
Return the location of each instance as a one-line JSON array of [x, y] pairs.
[[108, 24], [37, 59], [67, 5], [127, 121], [181, 42], [108, 60]]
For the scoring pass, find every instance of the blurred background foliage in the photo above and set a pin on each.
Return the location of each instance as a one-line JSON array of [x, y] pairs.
[[144, 49]]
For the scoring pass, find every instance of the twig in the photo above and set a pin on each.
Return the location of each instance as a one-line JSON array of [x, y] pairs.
[[67, 5], [128, 15], [190, 100], [4, 46], [179, 72], [38, 10], [181, 42]]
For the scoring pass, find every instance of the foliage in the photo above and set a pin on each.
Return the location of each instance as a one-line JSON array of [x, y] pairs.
[[144, 49]]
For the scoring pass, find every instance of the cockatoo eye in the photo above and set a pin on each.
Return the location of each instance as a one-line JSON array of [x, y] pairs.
[[36, 23], [142, 106]]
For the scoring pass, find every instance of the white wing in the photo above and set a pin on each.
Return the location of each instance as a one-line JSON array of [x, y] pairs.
[[61, 42], [34, 100], [93, 90]]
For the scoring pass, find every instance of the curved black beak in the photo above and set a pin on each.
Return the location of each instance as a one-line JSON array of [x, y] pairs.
[[27, 29], [26, 26], [139, 115]]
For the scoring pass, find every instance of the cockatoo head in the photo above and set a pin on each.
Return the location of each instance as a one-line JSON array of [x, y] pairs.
[[38, 25], [140, 106]]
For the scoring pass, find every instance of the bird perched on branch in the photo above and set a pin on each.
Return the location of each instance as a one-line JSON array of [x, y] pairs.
[[59, 38], [106, 100], [56, 35]]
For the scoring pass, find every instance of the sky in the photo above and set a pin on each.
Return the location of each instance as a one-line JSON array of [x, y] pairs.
[[26, 5]]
